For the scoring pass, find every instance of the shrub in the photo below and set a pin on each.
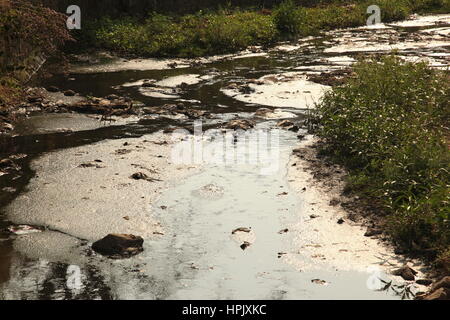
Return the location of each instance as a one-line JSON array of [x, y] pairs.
[[19, 22], [389, 126]]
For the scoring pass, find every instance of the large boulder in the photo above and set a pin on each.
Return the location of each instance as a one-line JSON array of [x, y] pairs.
[[119, 245]]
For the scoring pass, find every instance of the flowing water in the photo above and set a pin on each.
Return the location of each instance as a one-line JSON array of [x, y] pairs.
[[197, 257]]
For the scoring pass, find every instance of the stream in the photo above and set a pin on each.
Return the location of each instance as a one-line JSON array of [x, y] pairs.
[[193, 253]]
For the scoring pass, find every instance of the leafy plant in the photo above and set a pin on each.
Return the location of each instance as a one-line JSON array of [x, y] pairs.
[[390, 126]]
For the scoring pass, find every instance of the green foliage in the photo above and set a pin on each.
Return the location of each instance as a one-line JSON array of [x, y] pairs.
[[288, 18], [390, 126], [191, 35], [229, 30]]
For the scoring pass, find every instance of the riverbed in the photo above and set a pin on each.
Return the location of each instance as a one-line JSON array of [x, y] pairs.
[[74, 182]]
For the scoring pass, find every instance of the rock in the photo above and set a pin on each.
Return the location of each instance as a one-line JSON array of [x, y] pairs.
[[319, 281], [119, 245], [139, 176], [245, 245], [372, 232], [143, 176], [246, 89], [283, 231], [112, 97], [242, 229], [148, 84], [262, 112], [285, 124], [34, 99], [334, 202], [53, 89], [406, 273], [240, 124], [69, 93], [340, 221], [439, 294], [424, 282], [314, 216]]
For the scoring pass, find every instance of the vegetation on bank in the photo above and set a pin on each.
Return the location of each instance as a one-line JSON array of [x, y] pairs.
[[230, 30], [26, 32], [390, 126]]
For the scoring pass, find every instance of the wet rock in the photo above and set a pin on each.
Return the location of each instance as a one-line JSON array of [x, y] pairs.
[[143, 176], [424, 282], [372, 232], [407, 273], [90, 165], [69, 93], [148, 84], [319, 281], [262, 112], [34, 99], [242, 229], [113, 97], [53, 89], [240, 124], [245, 245], [122, 151], [334, 202], [246, 89], [119, 245], [285, 124]]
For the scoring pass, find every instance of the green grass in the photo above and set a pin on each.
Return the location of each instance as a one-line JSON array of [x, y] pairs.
[[389, 125], [191, 35], [231, 30]]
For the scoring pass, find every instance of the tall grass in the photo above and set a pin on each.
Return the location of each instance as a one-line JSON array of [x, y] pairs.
[[190, 35], [390, 126]]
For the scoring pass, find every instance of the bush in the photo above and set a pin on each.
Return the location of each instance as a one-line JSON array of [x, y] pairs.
[[389, 126], [20, 23], [288, 18], [230, 30], [191, 35]]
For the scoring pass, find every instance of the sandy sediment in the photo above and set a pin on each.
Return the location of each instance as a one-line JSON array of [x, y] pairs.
[[87, 192], [319, 234]]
